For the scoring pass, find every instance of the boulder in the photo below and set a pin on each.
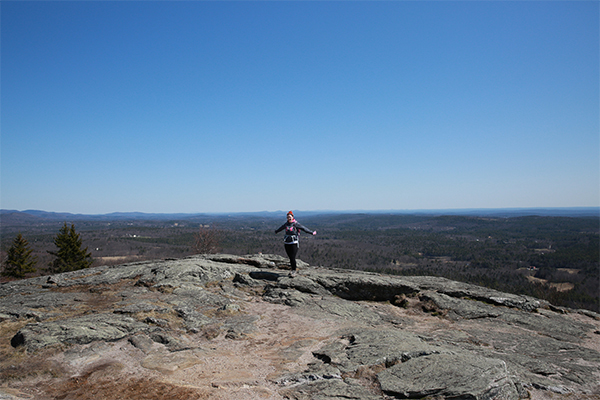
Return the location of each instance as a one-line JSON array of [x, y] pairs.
[[79, 330], [452, 376]]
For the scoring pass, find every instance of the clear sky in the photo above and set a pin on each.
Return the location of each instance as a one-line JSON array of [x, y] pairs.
[[197, 106]]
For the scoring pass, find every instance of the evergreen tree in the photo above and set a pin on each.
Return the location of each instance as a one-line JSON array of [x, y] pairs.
[[70, 256], [19, 261]]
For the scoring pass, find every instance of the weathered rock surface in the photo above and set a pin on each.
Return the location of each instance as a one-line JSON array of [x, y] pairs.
[[230, 327]]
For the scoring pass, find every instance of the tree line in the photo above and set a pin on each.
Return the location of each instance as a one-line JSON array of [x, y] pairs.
[[553, 258], [69, 255]]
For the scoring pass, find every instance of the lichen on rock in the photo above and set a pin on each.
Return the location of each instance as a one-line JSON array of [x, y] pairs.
[[226, 326]]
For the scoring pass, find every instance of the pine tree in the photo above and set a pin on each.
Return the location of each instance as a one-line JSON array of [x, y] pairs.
[[70, 256], [19, 261]]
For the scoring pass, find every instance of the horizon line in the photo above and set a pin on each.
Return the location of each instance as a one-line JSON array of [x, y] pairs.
[[324, 211]]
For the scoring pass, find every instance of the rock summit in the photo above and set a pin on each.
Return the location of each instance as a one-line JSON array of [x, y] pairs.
[[240, 327]]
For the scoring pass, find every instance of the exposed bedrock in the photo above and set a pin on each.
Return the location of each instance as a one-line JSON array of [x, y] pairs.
[[391, 337]]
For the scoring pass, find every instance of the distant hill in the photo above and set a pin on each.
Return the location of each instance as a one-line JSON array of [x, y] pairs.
[[500, 212], [30, 216]]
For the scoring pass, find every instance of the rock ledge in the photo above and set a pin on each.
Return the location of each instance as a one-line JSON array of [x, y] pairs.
[[224, 326]]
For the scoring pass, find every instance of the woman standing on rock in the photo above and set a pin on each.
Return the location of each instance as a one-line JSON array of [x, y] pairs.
[[290, 240]]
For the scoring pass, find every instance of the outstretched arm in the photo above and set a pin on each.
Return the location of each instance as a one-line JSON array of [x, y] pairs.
[[305, 229], [280, 228]]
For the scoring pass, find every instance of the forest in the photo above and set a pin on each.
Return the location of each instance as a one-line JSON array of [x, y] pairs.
[[548, 257]]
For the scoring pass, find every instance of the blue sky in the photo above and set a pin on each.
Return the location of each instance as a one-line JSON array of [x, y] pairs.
[[200, 106]]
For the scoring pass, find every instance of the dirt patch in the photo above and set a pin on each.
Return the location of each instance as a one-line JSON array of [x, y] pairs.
[[222, 368], [16, 364], [246, 369], [117, 259], [571, 271], [107, 381], [560, 286]]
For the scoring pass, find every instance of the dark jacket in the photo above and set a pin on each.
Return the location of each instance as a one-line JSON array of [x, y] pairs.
[[292, 229]]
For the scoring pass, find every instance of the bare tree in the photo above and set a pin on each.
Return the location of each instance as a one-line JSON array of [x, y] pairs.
[[207, 240]]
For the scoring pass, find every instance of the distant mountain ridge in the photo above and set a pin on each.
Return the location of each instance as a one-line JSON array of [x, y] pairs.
[[111, 216], [482, 212]]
